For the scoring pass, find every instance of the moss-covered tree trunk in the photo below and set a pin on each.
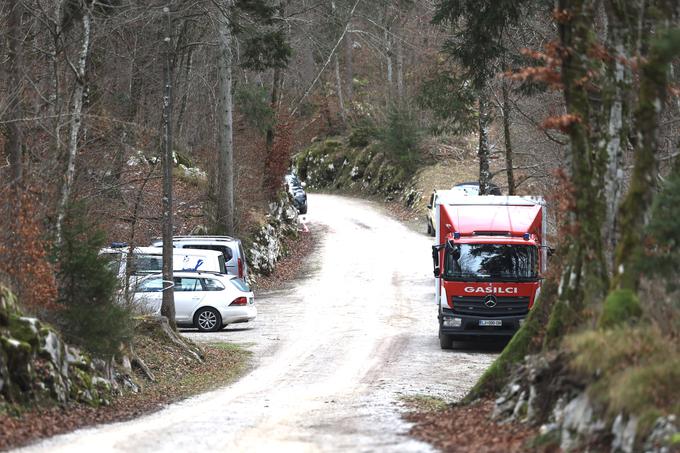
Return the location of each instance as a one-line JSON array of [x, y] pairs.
[[634, 214], [584, 277], [580, 278]]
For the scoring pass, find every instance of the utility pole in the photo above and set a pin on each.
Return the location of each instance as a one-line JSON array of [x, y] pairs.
[[168, 305]]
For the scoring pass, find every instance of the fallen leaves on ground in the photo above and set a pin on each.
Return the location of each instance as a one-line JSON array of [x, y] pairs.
[[176, 378], [470, 429]]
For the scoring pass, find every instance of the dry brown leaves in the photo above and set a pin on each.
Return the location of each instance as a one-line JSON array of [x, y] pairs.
[[470, 429], [176, 378]]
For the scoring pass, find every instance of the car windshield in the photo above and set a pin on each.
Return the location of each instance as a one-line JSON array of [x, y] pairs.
[[465, 262]]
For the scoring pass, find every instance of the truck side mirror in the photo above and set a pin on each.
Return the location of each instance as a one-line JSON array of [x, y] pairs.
[[435, 260]]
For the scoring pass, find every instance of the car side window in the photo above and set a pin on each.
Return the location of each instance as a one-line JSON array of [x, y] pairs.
[[187, 284], [210, 284], [151, 285]]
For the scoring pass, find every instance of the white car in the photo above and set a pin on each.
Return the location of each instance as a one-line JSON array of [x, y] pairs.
[[207, 301]]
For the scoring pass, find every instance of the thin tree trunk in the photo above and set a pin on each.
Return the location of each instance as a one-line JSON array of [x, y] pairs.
[[349, 67], [76, 121], [168, 304], [56, 95], [274, 101], [483, 151], [338, 85], [400, 70], [185, 95], [14, 142], [388, 61], [507, 110], [225, 174]]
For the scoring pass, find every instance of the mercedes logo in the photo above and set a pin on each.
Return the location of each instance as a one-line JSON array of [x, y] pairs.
[[490, 301]]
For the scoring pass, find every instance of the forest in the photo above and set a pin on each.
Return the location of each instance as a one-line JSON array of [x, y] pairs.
[[126, 121]]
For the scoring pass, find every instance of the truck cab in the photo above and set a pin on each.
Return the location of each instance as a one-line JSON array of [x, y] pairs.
[[489, 257]]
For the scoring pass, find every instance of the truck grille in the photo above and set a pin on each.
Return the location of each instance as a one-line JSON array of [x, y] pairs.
[[505, 306]]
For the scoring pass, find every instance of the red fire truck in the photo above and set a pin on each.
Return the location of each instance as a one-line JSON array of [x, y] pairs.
[[489, 257]]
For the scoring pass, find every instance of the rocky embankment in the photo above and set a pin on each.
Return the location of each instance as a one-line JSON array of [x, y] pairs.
[[38, 367], [602, 405], [266, 245], [333, 164]]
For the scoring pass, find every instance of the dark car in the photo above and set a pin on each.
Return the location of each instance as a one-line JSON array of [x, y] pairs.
[[297, 192], [472, 188]]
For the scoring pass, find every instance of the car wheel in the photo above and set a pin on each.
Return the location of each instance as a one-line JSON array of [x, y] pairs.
[[445, 341], [303, 209], [208, 320]]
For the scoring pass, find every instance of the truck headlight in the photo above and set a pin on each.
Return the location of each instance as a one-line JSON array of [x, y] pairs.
[[452, 322]]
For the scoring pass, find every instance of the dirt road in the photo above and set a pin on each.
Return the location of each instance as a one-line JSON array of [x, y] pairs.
[[333, 354]]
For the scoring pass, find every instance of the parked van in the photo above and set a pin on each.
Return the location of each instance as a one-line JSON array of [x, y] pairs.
[[231, 248], [149, 260]]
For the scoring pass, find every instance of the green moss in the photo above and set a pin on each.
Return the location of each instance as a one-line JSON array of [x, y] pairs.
[[425, 403], [674, 440], [22, 330], [549, 441], [621, 306]]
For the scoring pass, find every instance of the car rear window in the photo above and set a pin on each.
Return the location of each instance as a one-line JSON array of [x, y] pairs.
[[226, 251], [211, 284], [240, 284]]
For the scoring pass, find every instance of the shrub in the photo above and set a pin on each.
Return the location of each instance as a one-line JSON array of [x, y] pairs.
[[362, 135], [90, 316], [621, 306], [400, 138], [253, 103]]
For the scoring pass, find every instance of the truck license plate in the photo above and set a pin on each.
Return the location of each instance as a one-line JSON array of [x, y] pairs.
[[490, 322]]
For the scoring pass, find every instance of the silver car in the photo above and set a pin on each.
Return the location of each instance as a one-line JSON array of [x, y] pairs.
[[231, 248], [207, 301]]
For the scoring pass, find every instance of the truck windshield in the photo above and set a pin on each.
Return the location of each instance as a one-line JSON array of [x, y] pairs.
[[491, 262]]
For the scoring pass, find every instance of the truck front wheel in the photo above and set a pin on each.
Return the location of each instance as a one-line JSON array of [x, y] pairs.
[[445, 341]]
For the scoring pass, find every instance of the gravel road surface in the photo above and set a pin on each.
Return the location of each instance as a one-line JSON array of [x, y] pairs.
[[333, 353]]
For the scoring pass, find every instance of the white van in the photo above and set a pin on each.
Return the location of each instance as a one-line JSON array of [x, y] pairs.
[[149, 260]]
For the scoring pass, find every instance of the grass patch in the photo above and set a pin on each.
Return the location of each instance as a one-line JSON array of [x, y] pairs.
[[425, 403], [631, 370]]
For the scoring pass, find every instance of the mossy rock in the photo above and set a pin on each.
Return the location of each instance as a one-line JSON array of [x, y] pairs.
[[621, 306]]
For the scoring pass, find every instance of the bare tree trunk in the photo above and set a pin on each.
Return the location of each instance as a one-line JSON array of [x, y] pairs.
[[349, 67], [14, 143], [56, 95], [76, 121], [507, 110], [338, 84], [400, 70], [225, 172], [388, 57], [484, 152], [276, 82], [616, 131], [185, 96], [168, 304], [338, 79]]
